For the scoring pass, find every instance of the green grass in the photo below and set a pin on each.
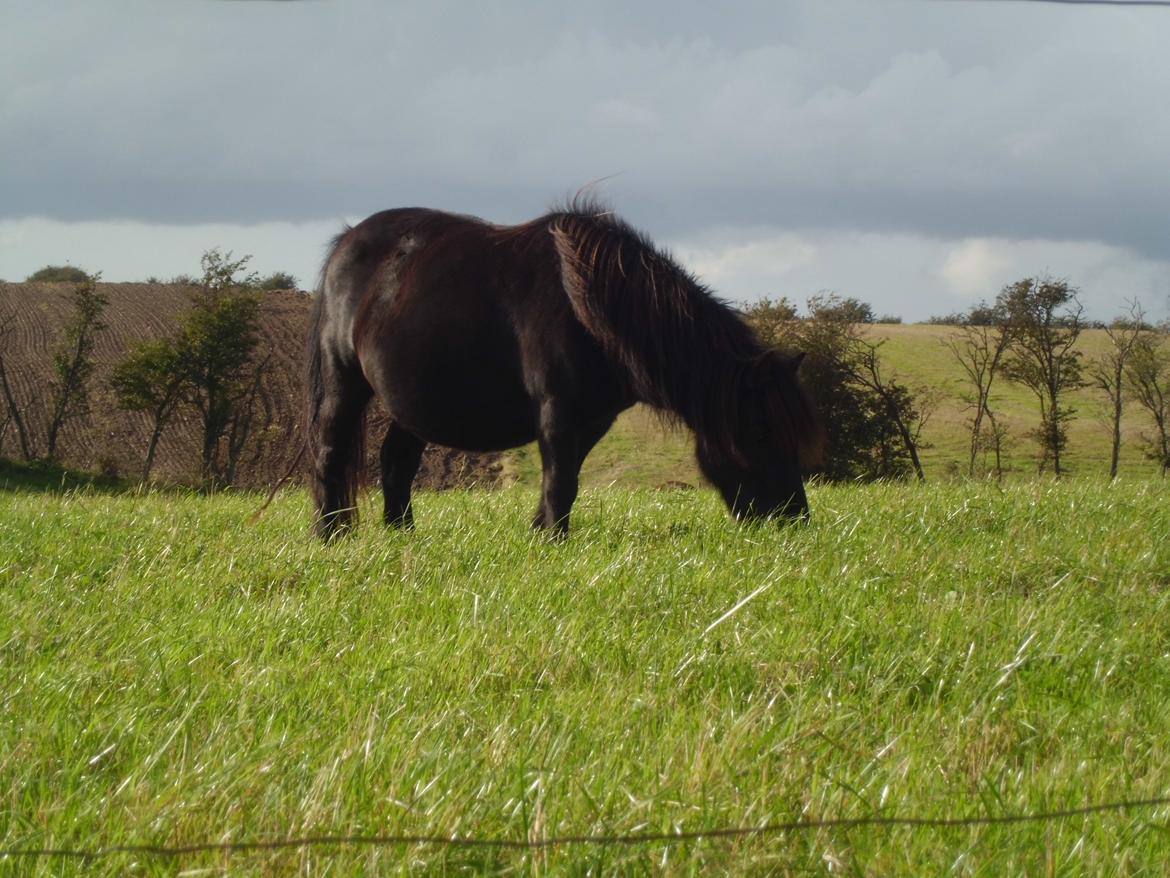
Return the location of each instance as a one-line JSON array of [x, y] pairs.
[[919, 357], [639, 452], [173, 675]]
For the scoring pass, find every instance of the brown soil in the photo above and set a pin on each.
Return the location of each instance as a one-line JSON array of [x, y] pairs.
[[114, 441]]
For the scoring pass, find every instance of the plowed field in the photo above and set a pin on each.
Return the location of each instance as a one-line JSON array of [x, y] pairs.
[[115, 441]]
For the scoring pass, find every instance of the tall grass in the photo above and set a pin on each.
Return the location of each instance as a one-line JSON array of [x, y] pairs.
[[173, 675]]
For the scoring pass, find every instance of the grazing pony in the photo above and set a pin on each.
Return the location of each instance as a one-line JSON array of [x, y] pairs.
[[486, 337]]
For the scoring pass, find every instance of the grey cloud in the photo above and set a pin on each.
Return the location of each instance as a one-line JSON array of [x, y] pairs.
[[944, 119]]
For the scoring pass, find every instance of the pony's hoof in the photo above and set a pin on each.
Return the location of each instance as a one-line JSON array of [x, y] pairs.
[[332, 527]]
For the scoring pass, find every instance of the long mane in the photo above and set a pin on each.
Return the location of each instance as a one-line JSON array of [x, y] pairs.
[[687, 351]]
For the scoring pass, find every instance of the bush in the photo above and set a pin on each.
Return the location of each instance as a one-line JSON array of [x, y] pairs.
[[278, 280], [58, 274], [872, 421]]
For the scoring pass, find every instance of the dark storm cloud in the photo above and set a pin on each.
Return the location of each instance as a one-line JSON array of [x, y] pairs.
[[941, 119]]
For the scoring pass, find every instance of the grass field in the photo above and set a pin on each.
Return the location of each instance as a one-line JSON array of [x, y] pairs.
[[172, 675], [918, 354], [640, 452]]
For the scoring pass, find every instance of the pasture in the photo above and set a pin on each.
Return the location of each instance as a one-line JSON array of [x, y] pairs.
[[173, 675], [639, 451]]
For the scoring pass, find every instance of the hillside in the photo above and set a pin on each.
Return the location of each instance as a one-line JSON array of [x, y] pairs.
[[640, 451], [115, 441], [917, 353]]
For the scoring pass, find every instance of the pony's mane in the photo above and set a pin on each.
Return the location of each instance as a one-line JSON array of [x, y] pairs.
[[688, 352]]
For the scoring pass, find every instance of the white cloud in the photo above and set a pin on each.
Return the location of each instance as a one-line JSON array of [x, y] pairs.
[[907, 275], [1107, 275], [913, 276], [972, 267]]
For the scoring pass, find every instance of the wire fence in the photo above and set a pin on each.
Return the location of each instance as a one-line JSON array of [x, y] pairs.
[[645, 838], [1092, 2]]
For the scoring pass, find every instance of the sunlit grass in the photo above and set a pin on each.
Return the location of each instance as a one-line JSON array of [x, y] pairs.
[[172, 675], [639, 452]]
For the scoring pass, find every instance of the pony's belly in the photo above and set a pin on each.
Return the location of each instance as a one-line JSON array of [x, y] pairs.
[[477, 433], [470, 415], [452, 375]]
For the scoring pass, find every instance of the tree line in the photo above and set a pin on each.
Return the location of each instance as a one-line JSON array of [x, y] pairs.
[[278, 280], [1027, 336], [212, 365]]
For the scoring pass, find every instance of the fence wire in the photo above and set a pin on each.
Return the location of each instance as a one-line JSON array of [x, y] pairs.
[[644, 838]]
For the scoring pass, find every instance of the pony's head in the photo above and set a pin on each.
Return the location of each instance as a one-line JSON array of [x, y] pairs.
[[758, 463]]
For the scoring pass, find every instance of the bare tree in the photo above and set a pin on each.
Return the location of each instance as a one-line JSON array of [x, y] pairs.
[[907, 410], [979, 346], [1107, 371], [14, 415], [73, 363], [1147, 373], [1044, 319]]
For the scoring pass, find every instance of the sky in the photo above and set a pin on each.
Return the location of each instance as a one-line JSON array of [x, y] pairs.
[[915, 154]]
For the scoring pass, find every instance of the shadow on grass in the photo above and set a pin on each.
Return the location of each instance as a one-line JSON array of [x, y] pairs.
[[42, 477]]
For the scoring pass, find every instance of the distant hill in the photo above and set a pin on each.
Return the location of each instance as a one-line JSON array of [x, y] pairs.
[[639, 450], [115, 441], [918, 354]]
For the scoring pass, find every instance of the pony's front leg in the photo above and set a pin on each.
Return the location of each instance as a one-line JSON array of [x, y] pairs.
[[560, 460], [401, 456]]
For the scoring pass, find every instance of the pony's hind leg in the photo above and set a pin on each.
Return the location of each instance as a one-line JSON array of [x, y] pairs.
[[338, 433], [401, 455]]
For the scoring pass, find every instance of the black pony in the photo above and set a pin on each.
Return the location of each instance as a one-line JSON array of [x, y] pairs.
[[486, 337]]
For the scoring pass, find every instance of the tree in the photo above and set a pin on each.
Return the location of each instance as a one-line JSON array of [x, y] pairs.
[[223, 275], [771, 319], [1147, 374], [979, 346], [217, 348], [1044, 319], [869, 416], [58, 274], [278, 280], [13, 413], [219, 339], [150, 379], [73, 362], [210, 364], [845, 309], [1107, 371], [906, 411]]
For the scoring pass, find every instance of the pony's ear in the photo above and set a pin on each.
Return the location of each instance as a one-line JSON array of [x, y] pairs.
[[795, 361]]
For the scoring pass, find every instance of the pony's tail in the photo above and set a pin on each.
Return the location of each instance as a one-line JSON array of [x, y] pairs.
[[315, 391], [335, 424]]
